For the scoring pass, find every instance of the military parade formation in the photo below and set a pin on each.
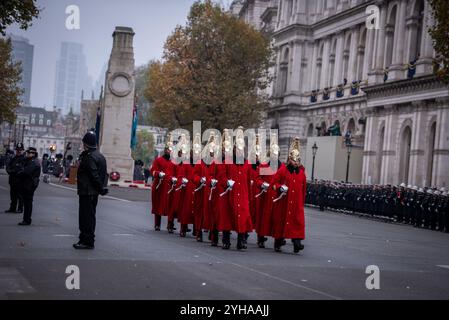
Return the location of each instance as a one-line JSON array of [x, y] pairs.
[[421, 207], [230, 195]]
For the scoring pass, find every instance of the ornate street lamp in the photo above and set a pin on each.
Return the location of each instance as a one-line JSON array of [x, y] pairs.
[[314, 151]]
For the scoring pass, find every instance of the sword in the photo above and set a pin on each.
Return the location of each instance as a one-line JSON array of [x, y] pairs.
[[213, 185], [230, 185], [174, 180], [161, 177], [203, 182], [183, 184], [264, 187], [284, 190]]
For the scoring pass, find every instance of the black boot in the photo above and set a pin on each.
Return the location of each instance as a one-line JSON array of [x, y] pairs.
[[199, 236], [241, 241], [297, 245], [278, 243], [261, 242], [214, 238], [226, 240]]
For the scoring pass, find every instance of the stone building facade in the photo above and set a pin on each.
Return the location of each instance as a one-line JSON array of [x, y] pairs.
[[367, 67]]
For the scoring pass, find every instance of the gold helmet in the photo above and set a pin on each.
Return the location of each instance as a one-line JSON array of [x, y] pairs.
[[294, 153], [274, 146], [211, 144], [197, 147], [184, 144], [169, 142], [226, 141], [240, 139]]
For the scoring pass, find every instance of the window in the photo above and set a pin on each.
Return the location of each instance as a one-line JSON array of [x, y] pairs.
[[33, 121], [48, 122], [41, 116], [33, 115], [41, 122]]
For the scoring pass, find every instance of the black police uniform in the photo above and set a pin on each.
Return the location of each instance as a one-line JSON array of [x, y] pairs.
[[14, 166], [92, 180], [29, 181]]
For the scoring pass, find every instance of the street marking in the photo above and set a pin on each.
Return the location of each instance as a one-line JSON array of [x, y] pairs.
[[64, 235], [123, 235], [443, 266], [1, 187], [106, 197], [235, 264]]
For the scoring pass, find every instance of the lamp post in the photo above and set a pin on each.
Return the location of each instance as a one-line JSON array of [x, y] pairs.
[[348, 143], [314, 151]]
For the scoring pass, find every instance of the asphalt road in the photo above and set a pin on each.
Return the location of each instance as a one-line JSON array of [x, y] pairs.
[[131, 261]]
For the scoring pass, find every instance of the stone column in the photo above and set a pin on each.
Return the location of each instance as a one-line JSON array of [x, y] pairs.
[[296, 62], [117, 110], [424, 64], [396, 70], [313, 74], [301, 12], [411, 41], [277, 72], [417, 172], [389, 157], [367, 63], [441, 155], [377, 74], [369, 153]]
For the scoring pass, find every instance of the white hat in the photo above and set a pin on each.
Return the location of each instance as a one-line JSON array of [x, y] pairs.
[[429, 191], [402, 185], [409, 186], [443, 190], [415, 188], [421, 190]]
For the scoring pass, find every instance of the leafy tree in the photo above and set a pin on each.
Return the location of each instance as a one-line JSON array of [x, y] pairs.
[[17, 11], [144, 148], [440, 34], [10, 89], [212, 70]]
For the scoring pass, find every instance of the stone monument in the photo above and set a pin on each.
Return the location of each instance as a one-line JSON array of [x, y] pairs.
[[117, 106]]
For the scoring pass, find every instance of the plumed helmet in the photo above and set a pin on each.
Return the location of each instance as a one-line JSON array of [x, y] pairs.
[[212, 145], [226, 141], [294, 153], [274, 146], [90, 140], [184, 144], [240, 139], [169, 142], [197, 147]]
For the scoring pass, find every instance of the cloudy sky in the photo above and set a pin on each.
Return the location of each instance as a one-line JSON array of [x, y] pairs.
[[152, 21]]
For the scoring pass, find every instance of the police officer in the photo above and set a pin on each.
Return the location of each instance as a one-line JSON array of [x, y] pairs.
[[92, 181], [29, 181], [14, 166]]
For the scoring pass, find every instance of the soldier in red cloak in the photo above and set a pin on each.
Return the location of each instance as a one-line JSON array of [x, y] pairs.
[[289, 183], [162, 171]]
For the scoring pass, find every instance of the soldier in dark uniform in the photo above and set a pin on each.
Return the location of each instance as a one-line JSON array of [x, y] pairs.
[[13, 167], [92, 181], [322, 191], [29, 181]]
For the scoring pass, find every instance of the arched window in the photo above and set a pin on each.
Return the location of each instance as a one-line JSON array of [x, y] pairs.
[[416, 29], [405, 146], [284, 71], [431, 154], [351, 126], [310, 130], [389, 37]]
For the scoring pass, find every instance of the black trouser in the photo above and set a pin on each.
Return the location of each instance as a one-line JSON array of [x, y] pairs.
[[157, 221], [27, 205], [226, 237], [87, 220], [16, 198]]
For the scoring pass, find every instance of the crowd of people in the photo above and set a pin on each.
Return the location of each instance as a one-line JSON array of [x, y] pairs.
[[231, 195], [24, 172], [421, 207]]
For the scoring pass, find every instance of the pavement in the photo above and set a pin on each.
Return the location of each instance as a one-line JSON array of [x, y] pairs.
[[132, 261]]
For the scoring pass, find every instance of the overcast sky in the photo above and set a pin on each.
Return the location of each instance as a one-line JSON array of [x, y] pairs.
[[152, 21]]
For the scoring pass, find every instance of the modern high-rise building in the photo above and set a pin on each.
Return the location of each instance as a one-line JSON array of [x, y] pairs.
[[71, 77], [22, 51]]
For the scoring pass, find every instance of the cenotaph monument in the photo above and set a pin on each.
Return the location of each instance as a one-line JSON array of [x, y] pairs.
[[117, 106]]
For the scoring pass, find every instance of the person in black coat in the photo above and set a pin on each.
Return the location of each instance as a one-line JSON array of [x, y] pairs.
[[92, 181], [13, 167], [29, 181]]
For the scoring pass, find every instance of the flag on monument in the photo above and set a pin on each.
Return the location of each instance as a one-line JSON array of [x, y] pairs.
[[134, 128]]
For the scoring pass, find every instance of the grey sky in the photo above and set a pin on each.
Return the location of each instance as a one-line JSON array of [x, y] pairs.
[[152, 21]]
